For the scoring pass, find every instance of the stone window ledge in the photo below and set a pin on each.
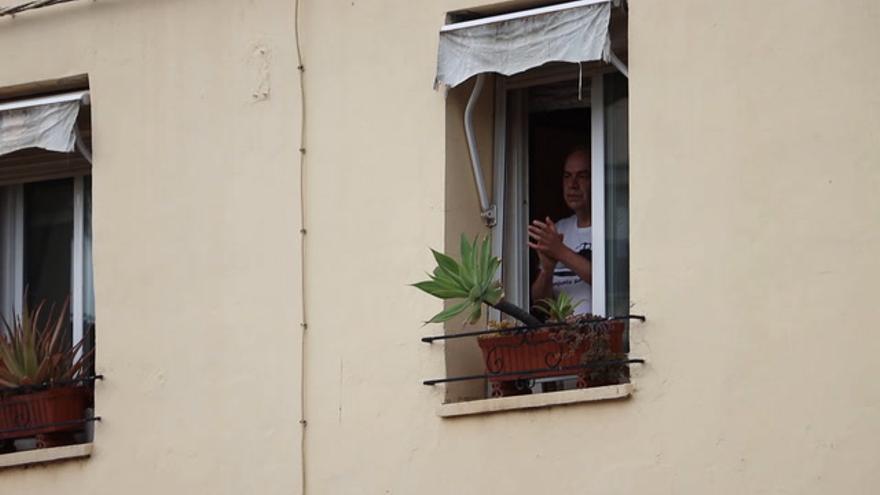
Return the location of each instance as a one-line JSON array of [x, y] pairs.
[[39, 456], [547, 399]]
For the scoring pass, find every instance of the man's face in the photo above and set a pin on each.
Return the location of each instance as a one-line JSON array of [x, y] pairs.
[[576, 181]]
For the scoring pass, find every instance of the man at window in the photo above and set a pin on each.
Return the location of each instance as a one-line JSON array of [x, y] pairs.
[[564, 248]]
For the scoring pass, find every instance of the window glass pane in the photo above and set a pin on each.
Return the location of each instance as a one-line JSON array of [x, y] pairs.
[[48, 235], [88, 275], [558, 124], [7, 251], [514, 259], [617, 194]]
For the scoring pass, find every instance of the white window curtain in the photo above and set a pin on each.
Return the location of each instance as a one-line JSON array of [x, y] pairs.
[[513, 43]]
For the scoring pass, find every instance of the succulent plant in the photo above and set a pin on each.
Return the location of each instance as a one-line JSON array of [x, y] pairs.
[[471, 281], [559, 308], [34, 350]]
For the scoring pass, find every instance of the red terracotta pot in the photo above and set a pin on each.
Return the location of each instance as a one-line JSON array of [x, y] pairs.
[[544, 353], [37, 413]]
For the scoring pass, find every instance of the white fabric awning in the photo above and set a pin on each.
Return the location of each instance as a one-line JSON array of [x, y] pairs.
[[512, 43], [48, 123]]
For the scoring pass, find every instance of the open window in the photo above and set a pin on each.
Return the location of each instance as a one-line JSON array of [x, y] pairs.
[[546, 116], [560, 88], [46, 283]]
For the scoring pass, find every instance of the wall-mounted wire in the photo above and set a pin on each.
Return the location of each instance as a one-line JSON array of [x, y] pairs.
[[34, 4], [302, 231]]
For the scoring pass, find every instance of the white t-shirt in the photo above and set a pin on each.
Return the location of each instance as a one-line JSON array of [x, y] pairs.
[[580, 240]]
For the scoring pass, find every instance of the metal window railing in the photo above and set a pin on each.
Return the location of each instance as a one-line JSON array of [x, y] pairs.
[[23, 416], [582, 349], [5, 391]]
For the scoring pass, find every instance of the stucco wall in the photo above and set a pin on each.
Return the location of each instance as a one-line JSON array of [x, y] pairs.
[[196, 247], [754, 270], [754, 143], [754, 138], [463, 356]]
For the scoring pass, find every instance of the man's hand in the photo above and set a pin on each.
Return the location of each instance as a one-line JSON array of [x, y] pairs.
[[541, 236], [544, 239]]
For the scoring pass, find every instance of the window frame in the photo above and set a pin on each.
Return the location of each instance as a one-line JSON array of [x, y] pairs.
[[77, 252], [514, 272], [15, 207], [43, 166]]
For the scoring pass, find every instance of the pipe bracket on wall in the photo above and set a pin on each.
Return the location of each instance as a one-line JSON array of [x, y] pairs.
[[490, 216]]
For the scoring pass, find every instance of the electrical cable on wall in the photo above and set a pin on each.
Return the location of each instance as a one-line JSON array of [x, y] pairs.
[[302, 211], [34, 4]]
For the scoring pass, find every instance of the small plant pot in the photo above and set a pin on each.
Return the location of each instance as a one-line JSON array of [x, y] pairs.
[[514, 359], [43, 413]]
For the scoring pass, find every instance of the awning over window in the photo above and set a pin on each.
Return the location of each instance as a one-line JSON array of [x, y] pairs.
[[512, 43], [48, 123]]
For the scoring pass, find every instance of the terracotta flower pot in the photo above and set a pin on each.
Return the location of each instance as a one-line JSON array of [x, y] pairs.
[[38, 413], [549, 352]]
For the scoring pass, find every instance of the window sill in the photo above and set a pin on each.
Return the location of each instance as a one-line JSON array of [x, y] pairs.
[[39, 456], [547, 399]]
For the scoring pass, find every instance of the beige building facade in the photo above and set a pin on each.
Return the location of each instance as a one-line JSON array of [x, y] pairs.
[[256, 228]]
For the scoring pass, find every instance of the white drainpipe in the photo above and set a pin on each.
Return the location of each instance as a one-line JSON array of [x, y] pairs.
[[487, 211]]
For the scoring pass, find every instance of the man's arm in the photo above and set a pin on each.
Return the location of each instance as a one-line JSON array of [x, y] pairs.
[[542, 287], [544, 239], [577, 263]]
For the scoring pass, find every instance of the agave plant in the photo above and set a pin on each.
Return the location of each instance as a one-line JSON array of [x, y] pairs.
[[33, 350], [471, 281], [559, 308]]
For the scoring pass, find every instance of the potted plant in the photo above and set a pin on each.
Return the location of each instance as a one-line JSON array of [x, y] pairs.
[[41, 392], [585, 346]]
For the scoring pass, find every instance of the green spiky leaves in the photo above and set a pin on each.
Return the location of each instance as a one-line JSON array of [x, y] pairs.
[[470, 280], [35, 349], [559, 308]]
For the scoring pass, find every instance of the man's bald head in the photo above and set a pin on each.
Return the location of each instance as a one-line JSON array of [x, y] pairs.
[[576, 180]]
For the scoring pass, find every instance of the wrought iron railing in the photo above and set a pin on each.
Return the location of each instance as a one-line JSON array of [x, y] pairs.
[[45, 409], [57, 424], [42, 386], [583, 349]]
